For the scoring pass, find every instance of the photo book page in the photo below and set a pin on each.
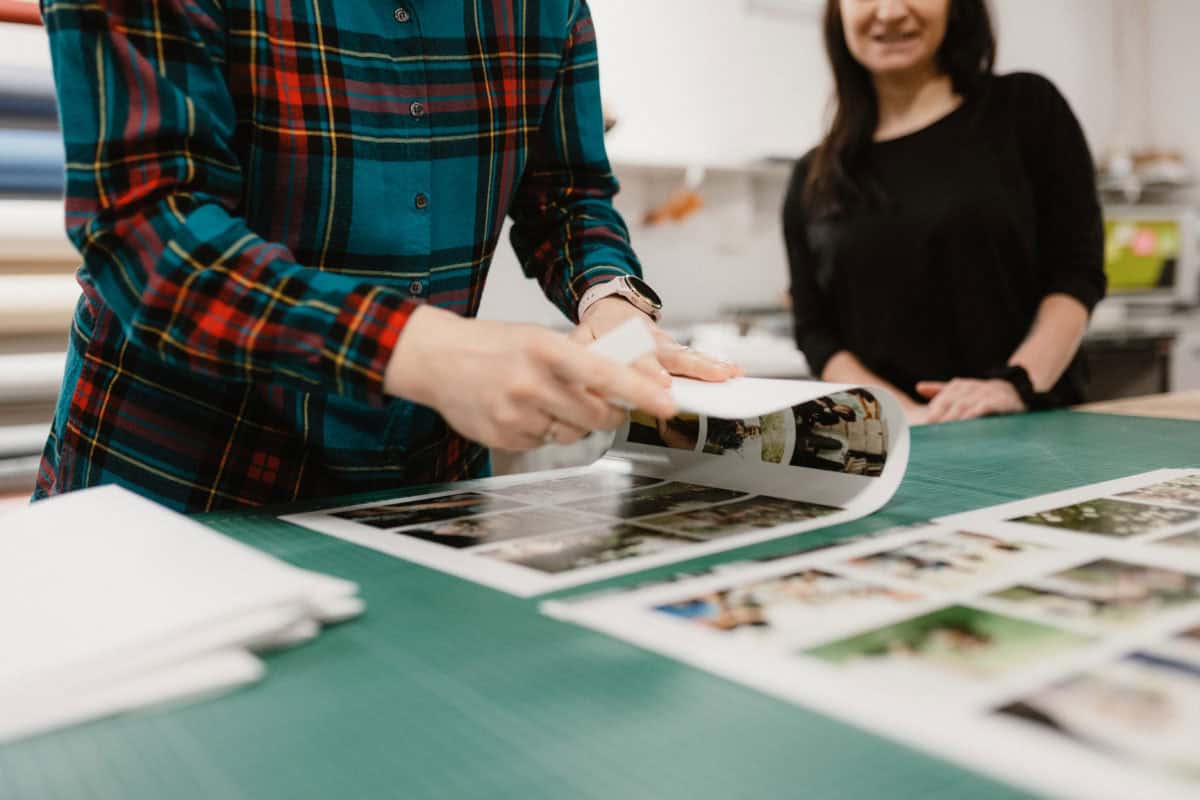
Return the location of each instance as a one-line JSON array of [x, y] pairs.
[[743, 462], [1053, 643]]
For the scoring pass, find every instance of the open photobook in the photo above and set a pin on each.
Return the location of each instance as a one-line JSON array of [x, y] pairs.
[[1053, 643], [743, 462]]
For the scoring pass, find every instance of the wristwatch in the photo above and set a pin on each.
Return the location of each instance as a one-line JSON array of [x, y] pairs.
[[1019, 378], [628, 287]]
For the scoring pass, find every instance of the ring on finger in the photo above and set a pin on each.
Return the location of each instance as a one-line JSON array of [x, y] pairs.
[[551, 434]]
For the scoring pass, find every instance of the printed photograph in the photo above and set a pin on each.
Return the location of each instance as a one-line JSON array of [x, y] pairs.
[[777, 432], [474, 531], [668, 498], [734, 437], [754, 513], [959, 642], [950, 562], [1183, 491], [566, 552], [1143, 709], [1109, 517], [678, 433], [576, 487], [844, 432], [1109, 592], [1189, 540], [805, 603], [424, 511]]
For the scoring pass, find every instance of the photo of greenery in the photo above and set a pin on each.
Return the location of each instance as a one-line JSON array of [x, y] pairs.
[[1110, 517]]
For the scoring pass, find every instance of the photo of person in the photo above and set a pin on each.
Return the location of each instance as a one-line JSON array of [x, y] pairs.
[[844, 432], [475, 531], [1188, 539], [752, 513], [1109, 592], [1144, 708], [666, 498], [678, 433], [1109, 517], [800, 604], [950, 562], [576, 487], [427, 510], [958, 642], [1183, 491], [740, 437], [565, 552], [778, 433]]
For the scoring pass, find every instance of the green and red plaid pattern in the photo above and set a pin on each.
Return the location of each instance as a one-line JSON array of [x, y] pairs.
[[262, 191]]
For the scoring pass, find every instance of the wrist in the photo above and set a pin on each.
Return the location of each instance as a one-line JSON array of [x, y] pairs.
[[1018, 378], [408, 372], [629, 288]]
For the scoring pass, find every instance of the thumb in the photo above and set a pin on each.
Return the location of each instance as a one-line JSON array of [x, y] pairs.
[[930, 389]]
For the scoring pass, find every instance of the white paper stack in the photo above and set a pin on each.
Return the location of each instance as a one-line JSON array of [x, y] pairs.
[[109, 602]]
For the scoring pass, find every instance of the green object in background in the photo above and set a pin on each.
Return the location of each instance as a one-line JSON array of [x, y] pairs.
[[446, 689], [1140, 254]]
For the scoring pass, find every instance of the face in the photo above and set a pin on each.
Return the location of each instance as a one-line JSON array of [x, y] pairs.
[[895, 36]]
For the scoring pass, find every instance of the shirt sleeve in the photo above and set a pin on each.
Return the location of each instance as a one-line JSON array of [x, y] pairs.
[[153, 185], [1070, 221], [565, 230], [815, 334]]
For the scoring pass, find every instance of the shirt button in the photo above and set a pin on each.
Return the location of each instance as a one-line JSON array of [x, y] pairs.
[[401, 14], [417, 110], [416, 287], [421, 201]]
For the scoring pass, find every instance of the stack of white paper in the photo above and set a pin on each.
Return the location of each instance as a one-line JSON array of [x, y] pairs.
[[109, 602]]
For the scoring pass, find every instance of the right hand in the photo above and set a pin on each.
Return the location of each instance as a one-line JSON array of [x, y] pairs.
[[506, 385]]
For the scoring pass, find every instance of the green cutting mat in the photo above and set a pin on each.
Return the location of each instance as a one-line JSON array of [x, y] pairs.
[[445, 689]]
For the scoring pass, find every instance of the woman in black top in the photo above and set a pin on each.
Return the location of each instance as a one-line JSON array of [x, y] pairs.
[[945, 238]]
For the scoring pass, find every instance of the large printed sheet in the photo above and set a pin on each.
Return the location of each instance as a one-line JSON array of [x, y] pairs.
[[1053, 643], [745, 461]]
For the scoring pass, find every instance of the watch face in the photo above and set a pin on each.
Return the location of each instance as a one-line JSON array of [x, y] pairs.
[[642, 288]]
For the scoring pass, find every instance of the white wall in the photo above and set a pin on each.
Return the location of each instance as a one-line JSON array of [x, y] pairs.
[[703, 81], [1174, 67]]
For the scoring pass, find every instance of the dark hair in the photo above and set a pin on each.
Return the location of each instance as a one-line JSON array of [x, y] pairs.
[[835, 181]]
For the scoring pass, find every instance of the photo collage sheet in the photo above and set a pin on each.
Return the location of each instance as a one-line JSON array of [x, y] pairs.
[[1053, 642], [801, 456]]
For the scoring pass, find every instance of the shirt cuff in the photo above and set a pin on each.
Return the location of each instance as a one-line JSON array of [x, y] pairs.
[[362, 339]]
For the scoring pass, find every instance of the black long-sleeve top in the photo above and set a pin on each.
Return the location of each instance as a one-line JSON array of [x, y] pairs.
[[985, 213]]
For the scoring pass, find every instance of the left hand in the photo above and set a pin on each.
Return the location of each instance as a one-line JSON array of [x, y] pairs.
[[967, 398], [672, 358]]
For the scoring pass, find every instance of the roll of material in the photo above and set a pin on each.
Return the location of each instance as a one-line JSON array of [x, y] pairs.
[[32, 162], [27, 96]]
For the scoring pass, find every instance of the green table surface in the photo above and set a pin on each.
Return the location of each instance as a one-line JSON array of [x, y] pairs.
[[448, 689]]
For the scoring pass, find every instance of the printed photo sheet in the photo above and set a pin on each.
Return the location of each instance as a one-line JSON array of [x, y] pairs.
[[669, 490], [1052, 643]]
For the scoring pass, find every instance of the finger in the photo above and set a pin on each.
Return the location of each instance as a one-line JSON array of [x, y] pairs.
[[688, 363], [578, 408], [650, 366], [930, 389], [617, 383]]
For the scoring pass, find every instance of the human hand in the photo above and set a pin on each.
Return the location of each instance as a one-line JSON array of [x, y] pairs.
[[967, 398], [511, 386], [671, 357]]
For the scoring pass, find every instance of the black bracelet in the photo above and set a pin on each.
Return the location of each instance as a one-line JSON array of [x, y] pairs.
[[1019, 378]]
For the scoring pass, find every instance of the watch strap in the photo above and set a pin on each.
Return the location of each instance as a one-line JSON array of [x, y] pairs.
[[1018, 377]]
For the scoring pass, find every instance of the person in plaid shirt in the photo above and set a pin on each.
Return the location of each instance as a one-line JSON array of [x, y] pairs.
[[286, 211]]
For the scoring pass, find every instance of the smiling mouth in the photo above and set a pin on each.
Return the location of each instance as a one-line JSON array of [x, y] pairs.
[[895, 38]]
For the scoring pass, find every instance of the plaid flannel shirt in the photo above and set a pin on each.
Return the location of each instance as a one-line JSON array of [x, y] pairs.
[[262, 192]]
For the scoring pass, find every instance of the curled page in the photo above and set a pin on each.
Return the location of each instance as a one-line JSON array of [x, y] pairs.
[[743, 462]]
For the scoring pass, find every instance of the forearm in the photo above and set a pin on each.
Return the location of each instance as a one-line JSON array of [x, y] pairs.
[[1053, 340], [845, 367]]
